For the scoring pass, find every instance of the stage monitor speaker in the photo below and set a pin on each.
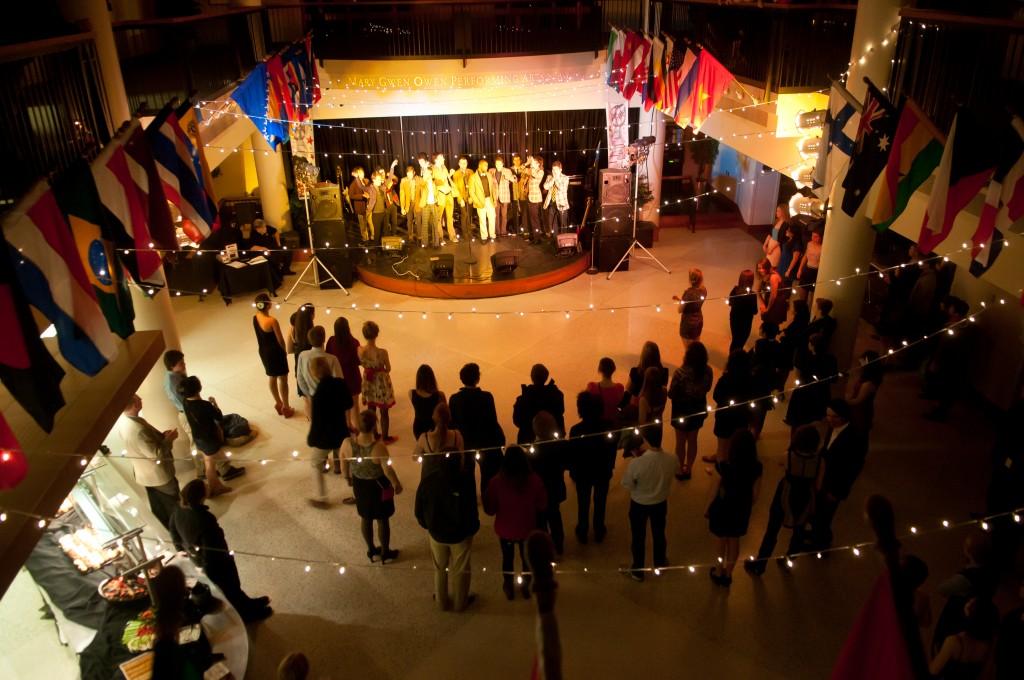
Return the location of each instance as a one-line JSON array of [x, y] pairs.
[[392, 245], [329, 234], [340, 264], [610, 250], [567, 244], [442, 266], [326, 203], [239, 210], [615, 186], [615, 219], [505, 261]]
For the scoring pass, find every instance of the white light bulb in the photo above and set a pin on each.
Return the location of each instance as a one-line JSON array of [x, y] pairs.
[[341, 571], [856, 551]]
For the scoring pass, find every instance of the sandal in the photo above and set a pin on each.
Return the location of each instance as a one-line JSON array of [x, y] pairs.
[[277, 407]]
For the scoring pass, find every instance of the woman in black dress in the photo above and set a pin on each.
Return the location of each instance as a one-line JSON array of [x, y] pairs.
[[735, 491], [742, 310], [272, 354], [817, 370], [689, 394], [691, 320], [733, 390], [425, 398]]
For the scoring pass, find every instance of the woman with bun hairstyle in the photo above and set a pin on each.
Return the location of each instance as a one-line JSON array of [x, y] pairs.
[[272, 353]]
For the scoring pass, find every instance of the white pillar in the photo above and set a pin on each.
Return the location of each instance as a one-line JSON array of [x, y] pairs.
[[849, 241], [98, 16], [271, 177], [655, 162], [155, 313]]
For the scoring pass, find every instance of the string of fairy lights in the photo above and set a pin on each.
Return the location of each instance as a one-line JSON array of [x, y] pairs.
[[767, 401]]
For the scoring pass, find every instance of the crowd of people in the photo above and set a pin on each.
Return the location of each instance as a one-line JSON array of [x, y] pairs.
[[346, 391], [517, 200]]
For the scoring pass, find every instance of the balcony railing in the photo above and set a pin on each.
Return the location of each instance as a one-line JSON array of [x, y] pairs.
[[52, 109], [944, 61], [182, 57]]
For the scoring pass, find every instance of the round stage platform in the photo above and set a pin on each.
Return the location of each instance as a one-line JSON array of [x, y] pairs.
[[410, 271]]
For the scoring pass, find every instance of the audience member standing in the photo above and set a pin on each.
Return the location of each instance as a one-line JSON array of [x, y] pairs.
[[378, 393], [474, 415], [965, 655], [440, 439], [653, 397], [793, 501], [823, 324], [591, 465], [689, 394], [807, 272], [742, 310], [446, 508], [770, 247], [794, 337], [733, 495], [539, 395], [272, 354], [516, 497], [844, 455], [195, 527], [425, 398], [346, 349], [650, 357], [817, 370], [549, 457], [297, 340], [204, 420], [174, 362], [317, 336], [946, 372], [691, 304], [765, 375], [609, 391], [368, 470], [326, 429], [862, 389], [732, 392], [649, 479], [152, 462], [773, 301], [791, 249]]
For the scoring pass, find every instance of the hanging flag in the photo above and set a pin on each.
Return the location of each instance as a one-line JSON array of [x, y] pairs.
[[76, 194], [684, 92], [252, 97], [13, 465], [1008, 145], [916, 151], [175, 165], [636, 68], [622, 57], [148, 182], [876, 647], [837, 135], [50, 272], [279, 99], [712, 79], [968, 161], [655, 79], [875, 133], [616, 40], [314, 73], [27, 369], [188, 119], [682, 64], [128, 208]]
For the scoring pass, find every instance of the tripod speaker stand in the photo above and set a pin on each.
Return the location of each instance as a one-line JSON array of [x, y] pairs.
[[314, 263], [638, 154]]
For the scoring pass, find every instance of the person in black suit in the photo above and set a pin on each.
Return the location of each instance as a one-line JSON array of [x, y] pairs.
[[591, 464], [845, 450], [538, 396], [823, 324], [474, 415]]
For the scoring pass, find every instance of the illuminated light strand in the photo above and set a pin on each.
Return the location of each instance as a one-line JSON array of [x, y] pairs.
[[531, 448], [308, 565]]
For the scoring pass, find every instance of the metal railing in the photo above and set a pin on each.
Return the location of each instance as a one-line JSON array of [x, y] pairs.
[[944, 61], [52, 110]]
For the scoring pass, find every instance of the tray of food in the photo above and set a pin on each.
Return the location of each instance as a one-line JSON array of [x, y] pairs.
[[121, 589], [86, 550]]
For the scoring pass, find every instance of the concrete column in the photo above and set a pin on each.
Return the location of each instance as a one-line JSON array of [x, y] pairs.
[[849, 241], [98, 16], [655, 162], [154, 313], [273, 190]]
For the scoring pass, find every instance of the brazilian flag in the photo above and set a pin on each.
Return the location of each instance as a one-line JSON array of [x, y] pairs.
[[80, 202]]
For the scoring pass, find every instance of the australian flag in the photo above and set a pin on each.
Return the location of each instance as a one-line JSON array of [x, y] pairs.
[[875, 133]]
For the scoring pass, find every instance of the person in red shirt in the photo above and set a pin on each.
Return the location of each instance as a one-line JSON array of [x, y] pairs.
[[515, 497], [611, 392]]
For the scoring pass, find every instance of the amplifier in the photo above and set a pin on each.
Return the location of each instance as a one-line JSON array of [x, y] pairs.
[[616, 219], [609, 250], [442, 266], [567, 244], [239, 210], [615, 186], [505, 261], [326, 204]]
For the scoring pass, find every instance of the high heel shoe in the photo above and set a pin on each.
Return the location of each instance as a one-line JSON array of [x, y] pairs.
[[372, 553], [287, 411], [277, 407]]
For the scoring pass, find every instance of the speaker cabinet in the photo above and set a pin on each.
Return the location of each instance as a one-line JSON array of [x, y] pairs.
[[240, 210], [616, 219], [442, 266], [338, 263], [504, 262], [330, 232], [615, 186], [326, 203], [610, 249]]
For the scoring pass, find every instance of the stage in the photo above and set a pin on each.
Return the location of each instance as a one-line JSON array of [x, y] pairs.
[[410, 272]]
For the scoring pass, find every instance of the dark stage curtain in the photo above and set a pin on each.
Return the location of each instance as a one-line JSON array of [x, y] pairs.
[[569, 136]]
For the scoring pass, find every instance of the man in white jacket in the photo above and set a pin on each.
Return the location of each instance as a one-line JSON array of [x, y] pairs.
[[149, 450]]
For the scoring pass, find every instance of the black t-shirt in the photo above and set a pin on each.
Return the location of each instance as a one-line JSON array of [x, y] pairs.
[[204, 420]]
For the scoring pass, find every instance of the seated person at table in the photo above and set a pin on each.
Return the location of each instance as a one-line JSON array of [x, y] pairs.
[[263, 237]]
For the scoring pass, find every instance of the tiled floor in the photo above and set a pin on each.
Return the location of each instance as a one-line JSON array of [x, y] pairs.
[[378, 622]]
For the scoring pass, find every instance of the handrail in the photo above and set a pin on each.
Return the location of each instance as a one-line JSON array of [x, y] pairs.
[[164, 22], [771, 6], [950, 18], [40, 47]]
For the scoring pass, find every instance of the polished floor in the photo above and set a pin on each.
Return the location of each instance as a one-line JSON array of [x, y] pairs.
[[380, 622]]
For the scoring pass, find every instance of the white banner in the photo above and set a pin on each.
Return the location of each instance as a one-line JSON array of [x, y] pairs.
[[618, 133]]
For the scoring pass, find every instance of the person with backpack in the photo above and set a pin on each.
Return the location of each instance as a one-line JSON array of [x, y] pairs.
[[446, 507], [539, 395]]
